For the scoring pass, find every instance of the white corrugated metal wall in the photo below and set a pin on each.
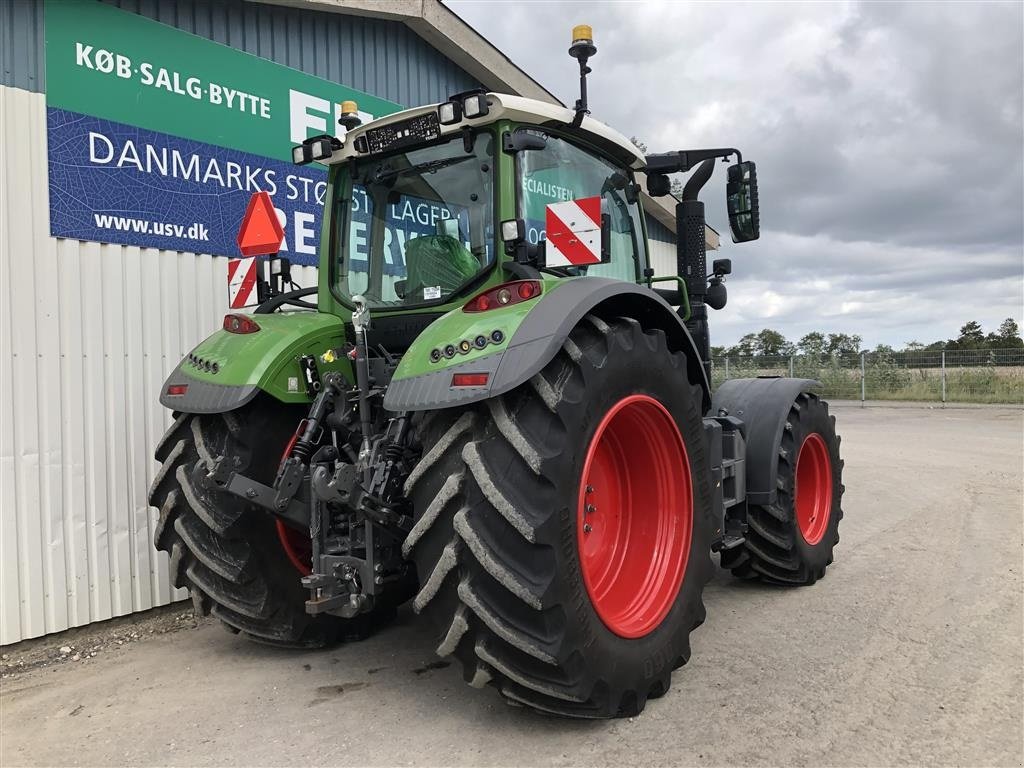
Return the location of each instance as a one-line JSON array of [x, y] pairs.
[[89, 332], [662, 256]]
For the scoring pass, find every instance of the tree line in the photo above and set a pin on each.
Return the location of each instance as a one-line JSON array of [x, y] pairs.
[[771, 343]]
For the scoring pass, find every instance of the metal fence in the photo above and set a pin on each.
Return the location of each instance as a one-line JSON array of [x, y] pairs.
[[943, 376]]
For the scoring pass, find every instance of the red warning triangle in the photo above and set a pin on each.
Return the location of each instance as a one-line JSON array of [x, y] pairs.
[[260, 233]]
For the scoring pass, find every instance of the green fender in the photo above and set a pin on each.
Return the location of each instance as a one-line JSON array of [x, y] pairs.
[[532, 333], [227, 370]]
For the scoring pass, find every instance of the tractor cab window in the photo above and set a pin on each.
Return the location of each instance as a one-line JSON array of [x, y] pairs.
[[563, 171], [415, 227]]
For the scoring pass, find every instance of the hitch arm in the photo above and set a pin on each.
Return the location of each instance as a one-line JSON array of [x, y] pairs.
[[281, 503]]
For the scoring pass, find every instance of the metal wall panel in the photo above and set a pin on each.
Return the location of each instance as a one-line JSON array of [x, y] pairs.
[[663, 259], [662, 247], [381, 57], [21, 44], [88, 332], [658, 231]]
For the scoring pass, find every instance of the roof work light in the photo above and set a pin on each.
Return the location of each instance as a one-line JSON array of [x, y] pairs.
[[475, 105], [315, 148], [450, 112], [469, 104]]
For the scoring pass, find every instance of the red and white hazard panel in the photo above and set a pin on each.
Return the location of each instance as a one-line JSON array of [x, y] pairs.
[[573, 232], [242, 282]]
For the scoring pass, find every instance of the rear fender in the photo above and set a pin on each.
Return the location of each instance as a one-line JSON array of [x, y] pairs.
[[540, 328], [763, 406], [228, 370]]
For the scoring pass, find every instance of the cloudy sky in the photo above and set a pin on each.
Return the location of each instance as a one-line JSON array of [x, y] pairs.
[[888, 141]]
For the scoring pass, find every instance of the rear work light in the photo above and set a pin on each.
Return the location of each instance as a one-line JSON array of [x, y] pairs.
[[177, 389], [504, 295], [470, 379], [240, 324]]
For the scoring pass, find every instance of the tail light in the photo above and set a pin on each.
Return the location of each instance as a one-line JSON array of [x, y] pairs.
[[504, 295], [176, 390], [239, 324], [470, 379]]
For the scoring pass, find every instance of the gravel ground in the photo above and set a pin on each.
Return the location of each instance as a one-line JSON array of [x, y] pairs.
[[909, 652]]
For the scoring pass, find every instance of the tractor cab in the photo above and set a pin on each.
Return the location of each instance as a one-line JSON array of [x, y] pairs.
[[433, 204]]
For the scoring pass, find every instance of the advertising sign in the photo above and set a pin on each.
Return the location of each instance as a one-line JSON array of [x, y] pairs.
[[158, 138]]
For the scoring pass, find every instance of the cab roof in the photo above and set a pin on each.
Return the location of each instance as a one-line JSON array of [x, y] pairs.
[[503, 106]]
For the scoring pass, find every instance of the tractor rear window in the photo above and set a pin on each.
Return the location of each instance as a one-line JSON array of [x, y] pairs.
[[563, 171], [417, 226]]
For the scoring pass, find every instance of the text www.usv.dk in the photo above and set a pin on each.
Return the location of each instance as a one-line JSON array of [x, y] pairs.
[[146, 227]]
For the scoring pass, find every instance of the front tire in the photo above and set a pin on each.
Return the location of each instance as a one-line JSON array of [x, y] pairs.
[[790, 542], [510, 576]]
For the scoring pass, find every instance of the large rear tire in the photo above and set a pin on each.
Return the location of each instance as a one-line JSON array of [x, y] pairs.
[[231, 555], [790, 542], [563, 530]]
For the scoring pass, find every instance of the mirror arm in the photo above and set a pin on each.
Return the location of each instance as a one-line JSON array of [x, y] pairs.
[[684, 160]]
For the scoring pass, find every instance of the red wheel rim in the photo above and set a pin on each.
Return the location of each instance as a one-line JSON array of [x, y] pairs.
[[635, 516], [296, 543], [812, 497]]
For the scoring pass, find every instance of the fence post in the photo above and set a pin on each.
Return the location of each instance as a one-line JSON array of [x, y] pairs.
[[791, 366], [943, 378], [727, 367], [863, 386]]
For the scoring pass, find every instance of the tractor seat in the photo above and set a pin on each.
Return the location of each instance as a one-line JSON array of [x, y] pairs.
[[436, 262]]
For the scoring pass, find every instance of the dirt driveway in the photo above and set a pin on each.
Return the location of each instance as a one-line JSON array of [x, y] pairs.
[[909, 652]]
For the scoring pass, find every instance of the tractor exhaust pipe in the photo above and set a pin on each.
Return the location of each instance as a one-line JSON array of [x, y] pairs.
[[691, 258]]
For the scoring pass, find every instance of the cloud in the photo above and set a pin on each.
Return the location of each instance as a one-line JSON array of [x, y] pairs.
[[889, 141]]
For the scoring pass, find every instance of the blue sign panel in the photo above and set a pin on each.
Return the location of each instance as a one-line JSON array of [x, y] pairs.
[[115, 183]]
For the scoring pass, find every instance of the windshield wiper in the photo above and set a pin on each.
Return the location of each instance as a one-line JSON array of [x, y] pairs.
[[383, 174]]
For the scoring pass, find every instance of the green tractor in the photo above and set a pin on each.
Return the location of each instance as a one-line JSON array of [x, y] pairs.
[[506, 419]]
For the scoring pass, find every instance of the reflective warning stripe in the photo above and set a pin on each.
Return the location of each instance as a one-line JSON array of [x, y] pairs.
[[573, 232], [242, 282]]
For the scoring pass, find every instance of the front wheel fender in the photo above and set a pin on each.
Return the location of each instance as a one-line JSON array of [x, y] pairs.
[[762, 405]]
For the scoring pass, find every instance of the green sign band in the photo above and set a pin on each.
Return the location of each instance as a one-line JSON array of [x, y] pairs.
[[109, 63]]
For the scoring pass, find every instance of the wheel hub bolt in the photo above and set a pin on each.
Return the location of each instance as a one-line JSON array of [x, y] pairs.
[[587, 528]]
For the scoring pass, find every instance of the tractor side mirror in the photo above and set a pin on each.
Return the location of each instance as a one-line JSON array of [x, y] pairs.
[[741, 200]]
